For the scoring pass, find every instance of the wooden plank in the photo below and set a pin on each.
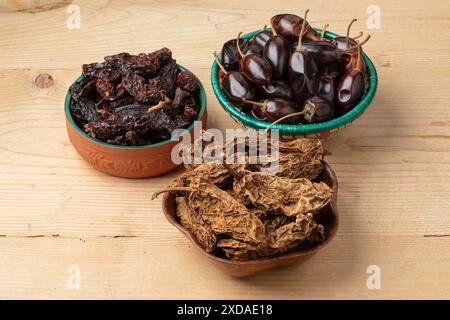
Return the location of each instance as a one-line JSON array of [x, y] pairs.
[[393, 163], [151, 267]]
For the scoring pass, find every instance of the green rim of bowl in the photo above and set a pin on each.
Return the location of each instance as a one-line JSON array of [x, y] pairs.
[[299, 129], [201, 99]]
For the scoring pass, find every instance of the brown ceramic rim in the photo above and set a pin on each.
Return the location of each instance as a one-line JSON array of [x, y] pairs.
[[201, 98], [280, 258]]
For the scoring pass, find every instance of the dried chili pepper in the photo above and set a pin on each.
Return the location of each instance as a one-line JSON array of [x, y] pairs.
[[213, 172], [85, 88], [252, 214], [289, 235], [143, 64], [84, 110], [299, 158], [287, 196], [225, 214], [194, 223], [107, 81], [138, 88], [190, 112], [240, 250], [93, 69], [129, 138], [187, 81], [183, 98], [103, 130], [121, 98], [280, 237], [168, 78], [123, 101]]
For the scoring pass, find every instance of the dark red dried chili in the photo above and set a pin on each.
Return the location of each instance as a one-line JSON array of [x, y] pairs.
[[134, 99]]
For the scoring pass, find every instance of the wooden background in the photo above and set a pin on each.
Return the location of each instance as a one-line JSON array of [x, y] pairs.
[[393, 164]]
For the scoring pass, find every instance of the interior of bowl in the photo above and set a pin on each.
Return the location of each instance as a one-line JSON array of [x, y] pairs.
[[201, 100], [298, 129]]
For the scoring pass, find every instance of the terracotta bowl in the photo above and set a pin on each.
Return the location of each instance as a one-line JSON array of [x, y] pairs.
[[328, 217], [128, 161]]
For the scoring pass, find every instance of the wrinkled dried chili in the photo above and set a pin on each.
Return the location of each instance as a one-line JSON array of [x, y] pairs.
[[134, 99]]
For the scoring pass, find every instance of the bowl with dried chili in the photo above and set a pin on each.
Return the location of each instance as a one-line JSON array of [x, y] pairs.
[[246, 219], [121, 113], [311, 85]]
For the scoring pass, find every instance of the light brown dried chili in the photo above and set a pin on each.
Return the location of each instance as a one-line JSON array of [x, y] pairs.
[[300, 158], [223, 213], [282, 195], [244, 211], [195, 224]]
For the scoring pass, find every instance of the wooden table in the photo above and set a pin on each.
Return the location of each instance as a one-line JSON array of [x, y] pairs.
[[58, 216]]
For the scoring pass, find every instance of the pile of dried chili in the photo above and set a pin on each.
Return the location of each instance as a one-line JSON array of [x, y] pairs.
[[292, 74], [134, 99], [242, 212]]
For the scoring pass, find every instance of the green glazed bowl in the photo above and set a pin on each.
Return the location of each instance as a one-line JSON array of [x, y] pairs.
[[322, 130]]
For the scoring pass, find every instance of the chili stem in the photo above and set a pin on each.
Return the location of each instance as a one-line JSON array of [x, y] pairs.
[[258, 104], [300, 36], [174, 189], [358, 45], [285, 117], [219, 64], [348, 30], [238, 45]]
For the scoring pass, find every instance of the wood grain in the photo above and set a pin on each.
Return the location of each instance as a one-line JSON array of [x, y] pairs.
[[393, 163]]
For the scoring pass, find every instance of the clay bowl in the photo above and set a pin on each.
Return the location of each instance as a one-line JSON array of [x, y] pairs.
[[328, 217], [128, 161]]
